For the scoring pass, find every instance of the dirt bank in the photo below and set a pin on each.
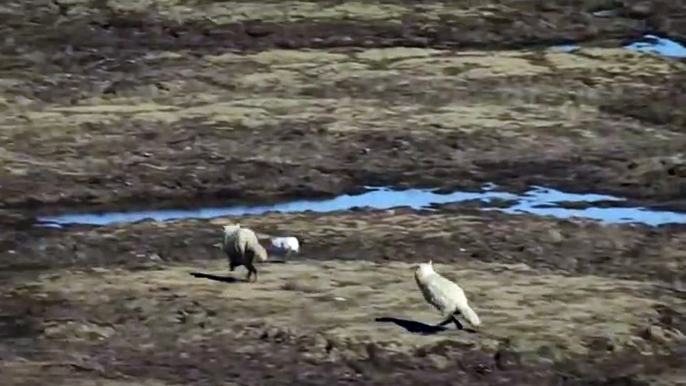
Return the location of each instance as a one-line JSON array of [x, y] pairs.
[[116, 106], [161, 24], [586, 247]]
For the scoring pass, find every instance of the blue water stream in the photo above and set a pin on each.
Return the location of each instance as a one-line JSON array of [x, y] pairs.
[[539, 201], [653, 44]]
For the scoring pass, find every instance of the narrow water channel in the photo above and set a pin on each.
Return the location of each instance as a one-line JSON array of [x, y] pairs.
[[537, 201], [650, 43]]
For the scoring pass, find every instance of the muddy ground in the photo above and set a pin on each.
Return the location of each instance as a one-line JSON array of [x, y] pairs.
[[562, 302], [121, 104]]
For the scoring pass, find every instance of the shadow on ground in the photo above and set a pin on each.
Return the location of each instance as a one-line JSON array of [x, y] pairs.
[[15, 326], [416, 327], [223, 279], [412, 325]]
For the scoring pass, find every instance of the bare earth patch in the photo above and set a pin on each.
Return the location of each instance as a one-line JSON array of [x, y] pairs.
[[333, 311], [340, 300], [119, 303]]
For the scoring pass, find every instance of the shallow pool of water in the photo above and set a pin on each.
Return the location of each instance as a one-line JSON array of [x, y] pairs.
[[653, 44], [384, 198], [659, 46], [538, 200], [379, 198]]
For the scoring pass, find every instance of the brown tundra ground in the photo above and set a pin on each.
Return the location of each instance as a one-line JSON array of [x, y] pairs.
[[150, 104]]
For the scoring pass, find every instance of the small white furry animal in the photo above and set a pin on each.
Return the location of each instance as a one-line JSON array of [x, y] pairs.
[[446, 296], [241, 247], [280, 245]]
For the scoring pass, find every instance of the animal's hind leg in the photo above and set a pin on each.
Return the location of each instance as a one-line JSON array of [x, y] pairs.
[[451, 318], [233, 264], [251, 271], [232, 261], [457, 323]]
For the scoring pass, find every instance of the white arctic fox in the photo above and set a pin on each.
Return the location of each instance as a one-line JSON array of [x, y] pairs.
[[446, 296]]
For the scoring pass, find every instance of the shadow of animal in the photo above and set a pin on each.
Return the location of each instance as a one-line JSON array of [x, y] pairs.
[[223, 279], [413, 326], [458, 324], [15, 326]]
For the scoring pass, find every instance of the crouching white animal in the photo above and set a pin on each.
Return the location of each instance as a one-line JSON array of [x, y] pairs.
[[446, 296], [242, 248], [283, 245]]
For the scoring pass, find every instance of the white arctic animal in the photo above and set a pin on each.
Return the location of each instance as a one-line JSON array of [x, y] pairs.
[[285, 245], [229, 232], [242, 248], [446, 296]]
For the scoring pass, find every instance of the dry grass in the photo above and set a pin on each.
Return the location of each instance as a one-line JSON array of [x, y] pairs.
[[341, 300], [402, 89], [63, 118], [326, 310], [224, 12]]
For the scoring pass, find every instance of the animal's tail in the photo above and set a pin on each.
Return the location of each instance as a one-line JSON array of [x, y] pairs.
[[470, 315], [261, 252]]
